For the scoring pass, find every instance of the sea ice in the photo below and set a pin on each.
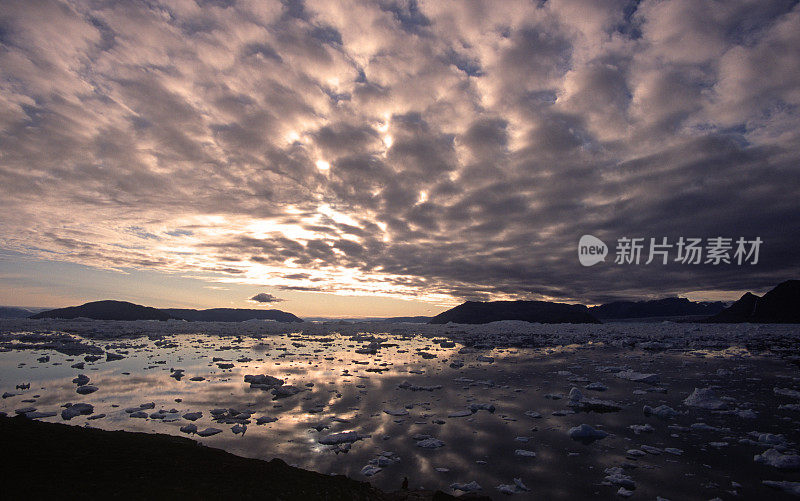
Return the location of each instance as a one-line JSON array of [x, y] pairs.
[[772, 457], [704, 398], [209, 432], [586, 433], [77, 410], [637, 377]]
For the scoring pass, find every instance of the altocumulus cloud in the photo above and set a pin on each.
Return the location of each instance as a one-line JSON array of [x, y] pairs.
[[417, 149]]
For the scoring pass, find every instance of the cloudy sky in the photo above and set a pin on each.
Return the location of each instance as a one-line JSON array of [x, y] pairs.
[[391, 157]]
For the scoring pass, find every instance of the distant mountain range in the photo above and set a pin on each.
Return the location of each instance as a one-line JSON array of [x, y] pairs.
[[123, 310], [780, 305], [230, 315], [474, 312], [667, 307]]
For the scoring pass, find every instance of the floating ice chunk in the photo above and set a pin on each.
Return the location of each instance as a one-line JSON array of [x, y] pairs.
[[786, 486], [637, 377], [8, 394], [370, 470], [704, 398], [430, 443], [484, 358], [651, 450], [345, 437], [77, 410], [239, 428], [209, 432], [40, 414], [514, 488], [85, 390], [637, 453], [790, 407], [110, 357], [786, 392], [578, 402], [470, 487], [189, 428], [772, 457], [96, 416], [197, 378], [138, 414], [193, 416], [399, 412], [596, 386], [148, 405], [266, 419], [262, 381], [285, 391], [662, 411], [586, 433], [481, 407], [463, 413], [524, 453], [533, 414], [25, 410], [81, 379], [623, 492], [408, 386], [615, 476], [641, 428], [673, 451]]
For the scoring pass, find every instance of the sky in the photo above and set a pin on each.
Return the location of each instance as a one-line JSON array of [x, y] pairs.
[[390, 157]]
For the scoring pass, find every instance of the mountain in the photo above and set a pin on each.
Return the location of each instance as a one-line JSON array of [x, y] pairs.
[[475, 312], [667, 307], [14, 312], [781, 305], [407, 320], [229, 315], [106, 310]]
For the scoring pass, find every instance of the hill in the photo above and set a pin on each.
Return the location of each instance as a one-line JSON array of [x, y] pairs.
[[781, 305], [229, 315], [667, 307], [475, 312], [106, 310]]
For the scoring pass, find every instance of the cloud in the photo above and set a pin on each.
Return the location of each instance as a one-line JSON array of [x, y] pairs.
[[263, 297], [469, 147]]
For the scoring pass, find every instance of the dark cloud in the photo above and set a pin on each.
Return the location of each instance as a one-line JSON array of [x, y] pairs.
[[263, 297], [402, 148]]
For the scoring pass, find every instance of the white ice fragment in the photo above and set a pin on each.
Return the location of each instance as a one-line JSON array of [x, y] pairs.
[[430, 443], [399, 412], [524, 453], [772, 457], [784, 485], [470, 487], [637, 377], [704, 398], [341, 438], [370, 470], [586, 433], [208, 432]]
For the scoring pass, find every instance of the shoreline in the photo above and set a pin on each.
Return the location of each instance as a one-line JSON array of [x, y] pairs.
[[42, 459]]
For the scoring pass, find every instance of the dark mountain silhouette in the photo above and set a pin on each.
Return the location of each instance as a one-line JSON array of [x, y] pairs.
[[14, 312], [781, 305], [106, 310], [410, 320], [667, 307], [229, 315], [474, 312]]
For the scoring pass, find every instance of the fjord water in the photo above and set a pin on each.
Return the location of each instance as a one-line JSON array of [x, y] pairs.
[[349, 383]]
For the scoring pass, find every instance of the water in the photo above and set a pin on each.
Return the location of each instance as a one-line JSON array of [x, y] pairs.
[[356, 389]]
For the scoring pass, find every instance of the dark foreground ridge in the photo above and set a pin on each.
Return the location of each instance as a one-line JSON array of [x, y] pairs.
[[781, 305], [475, 312], [42, 460], [123, 310]]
